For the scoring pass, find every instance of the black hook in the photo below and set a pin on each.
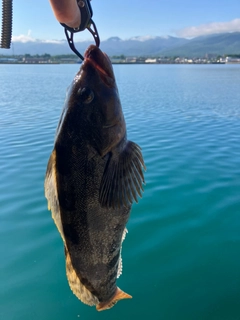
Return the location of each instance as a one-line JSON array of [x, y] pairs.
[[94, 32], [71, 43], [86, 23]]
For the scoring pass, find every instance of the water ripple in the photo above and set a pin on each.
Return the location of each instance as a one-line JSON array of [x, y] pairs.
[[184, 233]]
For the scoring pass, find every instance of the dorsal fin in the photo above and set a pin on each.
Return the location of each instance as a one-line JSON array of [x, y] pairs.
[[51, 193]]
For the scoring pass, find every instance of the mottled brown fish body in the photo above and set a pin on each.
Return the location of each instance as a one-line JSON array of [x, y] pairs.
[[93, 176]]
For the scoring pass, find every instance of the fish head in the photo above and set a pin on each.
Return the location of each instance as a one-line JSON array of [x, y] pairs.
[[96, 96]]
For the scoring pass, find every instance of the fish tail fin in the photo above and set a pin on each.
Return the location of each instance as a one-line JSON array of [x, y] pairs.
[[119, 295]]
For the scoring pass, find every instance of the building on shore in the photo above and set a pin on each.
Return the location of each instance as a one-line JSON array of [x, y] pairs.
[[232, 60]]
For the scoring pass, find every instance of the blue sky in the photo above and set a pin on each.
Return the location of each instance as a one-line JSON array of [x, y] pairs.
[[128, 18]]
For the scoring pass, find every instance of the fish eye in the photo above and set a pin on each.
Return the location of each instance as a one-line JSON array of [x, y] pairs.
[[86, 95]]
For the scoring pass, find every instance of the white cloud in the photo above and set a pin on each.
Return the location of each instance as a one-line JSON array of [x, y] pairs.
[[142, 38], [145, 38], [28, 38], [53, 41], [24, 38], [209, 28]]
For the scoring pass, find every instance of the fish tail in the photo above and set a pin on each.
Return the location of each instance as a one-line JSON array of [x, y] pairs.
[[119, 295]]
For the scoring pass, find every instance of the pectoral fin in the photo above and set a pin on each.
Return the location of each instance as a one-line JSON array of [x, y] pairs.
[[119, 295], [123, 178]]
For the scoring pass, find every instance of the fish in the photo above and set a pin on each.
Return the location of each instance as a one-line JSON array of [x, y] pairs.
[[93, 176]]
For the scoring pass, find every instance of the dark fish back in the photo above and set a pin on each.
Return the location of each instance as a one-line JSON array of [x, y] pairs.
[[93, 233]]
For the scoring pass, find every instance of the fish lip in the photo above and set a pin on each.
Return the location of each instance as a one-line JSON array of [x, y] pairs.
[[100, 61]]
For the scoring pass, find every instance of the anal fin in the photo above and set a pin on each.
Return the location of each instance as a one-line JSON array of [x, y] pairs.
[[120, 266]]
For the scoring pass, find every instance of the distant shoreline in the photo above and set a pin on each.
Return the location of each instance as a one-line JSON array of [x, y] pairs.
[[118, 63], [122, 59]]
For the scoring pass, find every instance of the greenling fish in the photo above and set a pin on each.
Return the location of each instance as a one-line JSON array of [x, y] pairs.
[[93, 176]]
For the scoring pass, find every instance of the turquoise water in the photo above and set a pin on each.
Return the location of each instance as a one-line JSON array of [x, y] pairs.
[[181, 257]]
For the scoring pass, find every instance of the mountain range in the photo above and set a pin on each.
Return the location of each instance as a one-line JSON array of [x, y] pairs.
[[216, 44]]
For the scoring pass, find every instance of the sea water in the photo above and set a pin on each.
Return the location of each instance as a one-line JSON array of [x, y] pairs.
[[181, 256]]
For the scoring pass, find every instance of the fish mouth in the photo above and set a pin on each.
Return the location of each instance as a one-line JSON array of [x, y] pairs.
[[100, 61]]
